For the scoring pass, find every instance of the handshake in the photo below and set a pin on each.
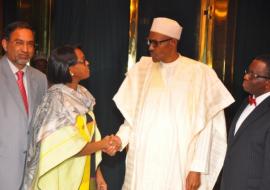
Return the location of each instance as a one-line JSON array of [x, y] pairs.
[[111, 144]]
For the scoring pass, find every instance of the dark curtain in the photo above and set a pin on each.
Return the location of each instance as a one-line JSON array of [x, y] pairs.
[[185, 12], [9, 7], [101, 27]]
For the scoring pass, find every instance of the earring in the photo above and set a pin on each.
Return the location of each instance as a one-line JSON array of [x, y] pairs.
[[72, 74]]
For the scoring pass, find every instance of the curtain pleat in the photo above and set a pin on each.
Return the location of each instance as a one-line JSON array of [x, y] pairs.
[[101, 28]]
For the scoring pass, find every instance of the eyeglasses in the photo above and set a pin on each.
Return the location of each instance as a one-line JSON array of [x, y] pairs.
[[156, 43], [255, 76], [21, 43]]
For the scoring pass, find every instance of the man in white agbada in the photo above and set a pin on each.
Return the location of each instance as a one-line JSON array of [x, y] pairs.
[[174, 120]]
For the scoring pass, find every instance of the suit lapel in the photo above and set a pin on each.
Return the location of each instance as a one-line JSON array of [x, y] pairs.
[[252, 117], [32, 91], [10, 81], [234, 121]]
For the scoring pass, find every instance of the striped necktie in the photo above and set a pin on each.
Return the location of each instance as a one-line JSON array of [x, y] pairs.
[[22, 89]]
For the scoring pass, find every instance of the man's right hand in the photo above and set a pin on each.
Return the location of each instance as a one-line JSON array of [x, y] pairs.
[[115, 144]]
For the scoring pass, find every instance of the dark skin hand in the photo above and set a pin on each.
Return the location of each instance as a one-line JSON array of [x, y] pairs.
[[193, 180]]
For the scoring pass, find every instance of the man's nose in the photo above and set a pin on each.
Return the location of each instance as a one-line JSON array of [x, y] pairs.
[[151, 47], [26, 47], [247, 76]]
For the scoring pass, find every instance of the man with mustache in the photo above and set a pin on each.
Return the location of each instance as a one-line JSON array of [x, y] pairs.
[[174, 120], [22, 88]]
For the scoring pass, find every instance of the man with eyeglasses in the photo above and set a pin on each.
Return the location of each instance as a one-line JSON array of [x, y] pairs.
[[247, 162], [174, 121], [22, 88]]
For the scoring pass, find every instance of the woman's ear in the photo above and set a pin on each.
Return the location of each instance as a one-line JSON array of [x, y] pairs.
[[71, 72]]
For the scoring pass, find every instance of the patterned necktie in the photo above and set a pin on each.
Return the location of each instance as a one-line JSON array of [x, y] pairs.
[[251, 100], [22, 89]]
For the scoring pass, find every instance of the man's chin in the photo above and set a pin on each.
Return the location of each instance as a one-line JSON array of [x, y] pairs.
[[154, 59], [23, 62], [245, 87]]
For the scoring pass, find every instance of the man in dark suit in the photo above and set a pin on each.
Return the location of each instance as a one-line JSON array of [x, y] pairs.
[[247, 162], [22, 88]]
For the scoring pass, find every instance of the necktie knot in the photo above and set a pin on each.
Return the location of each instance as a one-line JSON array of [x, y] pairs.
[[251, 100], [20, 75]]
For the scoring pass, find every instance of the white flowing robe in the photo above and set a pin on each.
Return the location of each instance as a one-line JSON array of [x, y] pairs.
[[172, 126]]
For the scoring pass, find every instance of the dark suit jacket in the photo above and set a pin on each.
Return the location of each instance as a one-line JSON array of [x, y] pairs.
[[14, 122], [247, 162]]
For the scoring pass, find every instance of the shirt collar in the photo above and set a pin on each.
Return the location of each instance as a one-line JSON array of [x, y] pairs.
[[15, 69], [171, 64], [262, 97]]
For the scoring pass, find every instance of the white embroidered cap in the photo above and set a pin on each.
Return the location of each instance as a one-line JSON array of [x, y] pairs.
[[167, 27]]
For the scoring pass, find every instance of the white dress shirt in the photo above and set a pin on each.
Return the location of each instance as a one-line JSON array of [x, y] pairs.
[[249, 109]]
